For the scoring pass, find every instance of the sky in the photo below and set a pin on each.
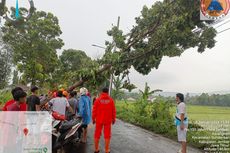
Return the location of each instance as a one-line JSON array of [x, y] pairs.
[[84, 23]]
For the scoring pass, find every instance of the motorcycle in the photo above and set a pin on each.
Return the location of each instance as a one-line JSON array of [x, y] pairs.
[[64, 131]]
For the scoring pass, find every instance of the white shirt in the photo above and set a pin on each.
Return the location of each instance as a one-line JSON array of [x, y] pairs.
[[181, 109], [59, 104]]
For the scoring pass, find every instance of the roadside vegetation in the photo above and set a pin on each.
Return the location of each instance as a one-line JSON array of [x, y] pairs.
[[4, 97], [158, 116]]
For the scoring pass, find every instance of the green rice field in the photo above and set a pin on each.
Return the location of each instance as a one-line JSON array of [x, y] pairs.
[[208, 113]]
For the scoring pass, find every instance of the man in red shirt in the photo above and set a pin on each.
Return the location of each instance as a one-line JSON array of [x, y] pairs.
[[19, 98], [22, 105], [8, 140], [104, 115]]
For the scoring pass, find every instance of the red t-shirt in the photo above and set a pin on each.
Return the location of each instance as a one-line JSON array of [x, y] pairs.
[[10, 102], [13, 107]]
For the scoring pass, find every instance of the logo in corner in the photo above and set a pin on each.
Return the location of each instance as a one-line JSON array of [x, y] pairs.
[[214, 9]]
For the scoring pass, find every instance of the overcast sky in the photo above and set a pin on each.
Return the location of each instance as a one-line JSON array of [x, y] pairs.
[[85, 22]]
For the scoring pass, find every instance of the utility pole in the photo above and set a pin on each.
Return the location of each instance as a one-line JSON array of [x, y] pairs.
[[111, 76]]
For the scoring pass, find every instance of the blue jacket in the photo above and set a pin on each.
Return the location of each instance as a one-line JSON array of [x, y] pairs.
[[85, 109]]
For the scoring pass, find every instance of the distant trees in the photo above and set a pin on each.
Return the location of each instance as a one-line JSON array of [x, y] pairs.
[[211, 100]]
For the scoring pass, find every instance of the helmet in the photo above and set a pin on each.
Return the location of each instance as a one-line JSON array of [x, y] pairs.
[[83, 91], [65, 93]]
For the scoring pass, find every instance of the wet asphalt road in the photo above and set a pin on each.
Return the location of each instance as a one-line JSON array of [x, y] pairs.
[[128, 138]]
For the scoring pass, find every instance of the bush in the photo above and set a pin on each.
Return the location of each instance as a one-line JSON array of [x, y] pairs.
[[156, 117], [151, 116], [4, 97]]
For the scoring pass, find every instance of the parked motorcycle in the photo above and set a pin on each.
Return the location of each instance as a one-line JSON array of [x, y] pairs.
[[65, 131]]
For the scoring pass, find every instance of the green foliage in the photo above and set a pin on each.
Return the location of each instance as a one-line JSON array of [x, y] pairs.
[[5, 68], [118, 84], [3, 9], [73, 60], [5, 63], [5, 96], [161, 110], [133, 95], [158, 117], [34, 45], [146, 93], [141, 115], [117, 92], [73, 64], [165, 29], [15, 78], [154, 116]]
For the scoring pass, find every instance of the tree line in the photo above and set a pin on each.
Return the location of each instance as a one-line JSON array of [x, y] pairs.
[[210, 100]]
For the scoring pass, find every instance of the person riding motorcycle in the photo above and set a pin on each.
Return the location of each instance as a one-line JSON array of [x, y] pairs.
[[60, 104]]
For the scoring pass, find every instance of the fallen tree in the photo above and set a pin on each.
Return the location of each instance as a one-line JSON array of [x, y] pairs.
[[165, 29]]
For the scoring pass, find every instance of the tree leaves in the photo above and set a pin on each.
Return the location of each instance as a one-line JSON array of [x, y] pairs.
[[165, 29], [34, 45]]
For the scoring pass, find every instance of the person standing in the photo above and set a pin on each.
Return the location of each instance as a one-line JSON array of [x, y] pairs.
[[84, 112], [181, 120], [19, 98], [33, 101], [60, 104], [22, 105], [104, 115], [9, 140], [73, 102]]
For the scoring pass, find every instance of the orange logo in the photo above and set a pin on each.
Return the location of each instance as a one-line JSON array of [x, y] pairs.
[[215, 9]]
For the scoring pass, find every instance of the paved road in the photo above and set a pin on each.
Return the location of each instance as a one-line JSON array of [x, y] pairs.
[[128, 138]]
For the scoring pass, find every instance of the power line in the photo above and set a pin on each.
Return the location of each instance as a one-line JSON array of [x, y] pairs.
[[222, 24], [223, 30]]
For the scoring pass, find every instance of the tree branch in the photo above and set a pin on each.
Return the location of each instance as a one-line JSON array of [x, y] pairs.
[[81, 82]]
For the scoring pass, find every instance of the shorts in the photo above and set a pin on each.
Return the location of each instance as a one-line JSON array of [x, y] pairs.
[[181, 134]]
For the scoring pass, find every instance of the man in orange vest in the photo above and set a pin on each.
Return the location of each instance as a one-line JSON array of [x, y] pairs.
[[104, 115]]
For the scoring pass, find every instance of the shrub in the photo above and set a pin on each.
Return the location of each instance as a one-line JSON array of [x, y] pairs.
[[5, 96], [157, 117]]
